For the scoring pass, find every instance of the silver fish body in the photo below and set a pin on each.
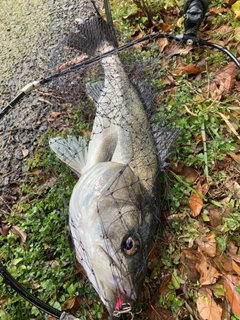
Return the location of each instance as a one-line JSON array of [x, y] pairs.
[[113, 205]]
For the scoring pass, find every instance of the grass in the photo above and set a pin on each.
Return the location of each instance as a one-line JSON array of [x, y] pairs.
[[44, 263]]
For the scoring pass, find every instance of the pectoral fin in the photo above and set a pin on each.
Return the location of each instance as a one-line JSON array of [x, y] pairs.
[[73, 152]]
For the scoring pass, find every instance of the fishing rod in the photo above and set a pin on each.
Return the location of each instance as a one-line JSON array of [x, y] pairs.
[[187, 39], [8, 278]]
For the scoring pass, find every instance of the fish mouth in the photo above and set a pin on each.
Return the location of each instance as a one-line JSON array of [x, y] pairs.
[[122, 308], [119, 292]]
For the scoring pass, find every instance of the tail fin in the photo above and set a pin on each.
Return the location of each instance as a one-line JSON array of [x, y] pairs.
[[88, 36], [73, 152]]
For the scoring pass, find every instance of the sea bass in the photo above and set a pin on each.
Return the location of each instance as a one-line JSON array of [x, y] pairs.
[[113, 211]]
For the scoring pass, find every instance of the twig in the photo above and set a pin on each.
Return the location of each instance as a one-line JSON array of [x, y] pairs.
[[203, 132]]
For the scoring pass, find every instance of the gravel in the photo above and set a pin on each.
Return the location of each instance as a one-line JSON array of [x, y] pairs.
[[29, 32]]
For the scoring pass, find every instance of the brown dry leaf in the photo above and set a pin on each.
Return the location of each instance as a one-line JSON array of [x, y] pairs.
[[156, 313], [235, 157], [162, 43], [172, 50], [223, 82], [137, 34], [233, 296], [87, 133], [189, 69], [226, 200], [224, 29], [207, 307], [214, 215], [25, 153], [207, 245], [72, 62], [69, 304], [205, 188], [4, 230], [236, 267], [232, 247], [231, 127], [217, 10], [55, 114], [164, 288], [223, 262], [3, 301], [165, 27], [208, 274], [196, 201], [152, 256], [235, 257], [20, 233], [189, 259], [185, 171], [230, 2]]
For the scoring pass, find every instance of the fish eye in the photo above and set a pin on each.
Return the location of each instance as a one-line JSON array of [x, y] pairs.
[[130, 246]]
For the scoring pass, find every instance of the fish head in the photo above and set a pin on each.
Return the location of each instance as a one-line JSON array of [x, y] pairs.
[[120, 221]]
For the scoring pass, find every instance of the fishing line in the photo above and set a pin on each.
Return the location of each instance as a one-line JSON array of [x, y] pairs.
[[183, 38]]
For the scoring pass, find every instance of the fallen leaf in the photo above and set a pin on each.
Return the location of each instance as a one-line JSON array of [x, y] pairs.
[[51, 318], [224, 29], [226, 200], [214, 215], [4, 230], [189, 258], [229, 2], [236, 267], [207, 307], [185, 171], [232, 247], [55, 114], [20, 233], [235, 257], [208, 274], [207, 245], [196, 201], [172, 50], [165, 27], [231, 127], [217, 10], [25, 152], [72, 62], [162, 43], [156, 313], [87, 133], [205, 188], [223, 262], [189, 69], [233, 296], [235, 157]]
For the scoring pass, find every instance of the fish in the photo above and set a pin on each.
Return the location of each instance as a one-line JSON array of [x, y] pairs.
[[113, 210]]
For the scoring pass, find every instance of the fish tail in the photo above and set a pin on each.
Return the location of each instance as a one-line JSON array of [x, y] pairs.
[[89, 36], [73, 152]]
